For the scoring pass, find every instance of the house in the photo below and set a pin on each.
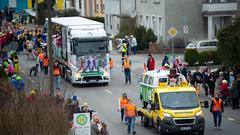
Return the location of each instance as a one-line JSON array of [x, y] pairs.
[[116, 12], [193, 19]]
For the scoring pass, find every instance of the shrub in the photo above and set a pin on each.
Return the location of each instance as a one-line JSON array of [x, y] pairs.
[[216, 58], [140, 33], [144, 36], [22, 116], [203, 57], [151, 37], [191, 56]]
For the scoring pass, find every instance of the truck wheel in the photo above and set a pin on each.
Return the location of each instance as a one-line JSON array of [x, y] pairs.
[[160, 130], [201, 132]]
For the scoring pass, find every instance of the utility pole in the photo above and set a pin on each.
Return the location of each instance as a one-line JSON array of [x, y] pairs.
[[50, 51]]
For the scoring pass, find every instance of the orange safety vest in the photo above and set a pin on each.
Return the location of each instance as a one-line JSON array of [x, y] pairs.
[[123, 103], [41, 56], [130, 110], [126, 64], [111, 64], [45, 62], [56, 71], [217, 105]]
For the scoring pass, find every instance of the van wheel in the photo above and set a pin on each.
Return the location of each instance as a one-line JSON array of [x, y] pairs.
[[145, 121]]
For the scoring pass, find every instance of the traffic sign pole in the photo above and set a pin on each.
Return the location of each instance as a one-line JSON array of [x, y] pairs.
[[172, 32], [173, 47]]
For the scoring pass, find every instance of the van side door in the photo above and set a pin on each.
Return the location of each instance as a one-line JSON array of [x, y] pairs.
[[156, 111]]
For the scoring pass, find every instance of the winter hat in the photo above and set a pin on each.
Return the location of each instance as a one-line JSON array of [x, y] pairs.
[[224, 81]]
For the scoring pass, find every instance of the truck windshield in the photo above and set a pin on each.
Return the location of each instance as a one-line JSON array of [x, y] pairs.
[[179, 100], [90, 47]]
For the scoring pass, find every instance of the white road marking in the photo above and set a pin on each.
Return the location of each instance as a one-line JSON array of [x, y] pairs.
[[229, 118], [108, 91]]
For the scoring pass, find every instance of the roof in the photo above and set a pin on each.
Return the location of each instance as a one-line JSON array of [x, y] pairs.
[[175, 89], [158, 73], [74, 21]]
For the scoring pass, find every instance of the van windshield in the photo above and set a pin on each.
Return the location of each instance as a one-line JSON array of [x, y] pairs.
[[179, 100]]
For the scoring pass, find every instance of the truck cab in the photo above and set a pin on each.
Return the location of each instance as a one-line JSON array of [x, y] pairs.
[[174, 109]]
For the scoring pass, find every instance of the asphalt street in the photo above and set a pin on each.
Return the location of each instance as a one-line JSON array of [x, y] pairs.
[[104, 99]]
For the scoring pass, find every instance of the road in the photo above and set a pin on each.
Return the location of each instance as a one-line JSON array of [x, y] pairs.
[[104, 99]]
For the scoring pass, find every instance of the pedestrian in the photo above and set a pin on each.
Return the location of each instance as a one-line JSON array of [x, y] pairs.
[[123, 101], [190, 78], [165, 59], [217, 110], [205, 81], [150, 63], [45, 64], [184, 70], [224, 92], [231, 78], [34, 69], [131, 113], [57, 75], [219, 81], [133, 42], [95, 125], [124, 49], [234, 95], [21, 83], [197, 77], [211, 83], [104, 130], [111, 61], [126, 64], [40, 59]]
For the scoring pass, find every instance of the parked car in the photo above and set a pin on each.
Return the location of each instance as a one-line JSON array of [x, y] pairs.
[[203, 45]]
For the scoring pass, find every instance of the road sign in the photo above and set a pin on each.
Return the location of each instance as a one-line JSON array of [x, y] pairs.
[[82, 124], [172, 32]]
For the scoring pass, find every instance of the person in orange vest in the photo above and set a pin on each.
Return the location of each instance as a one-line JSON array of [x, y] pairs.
[[126, 64], [40, 59], [111, 63], [131, 113], [57, 75], [123, 101], [45, 64], [217, 109]]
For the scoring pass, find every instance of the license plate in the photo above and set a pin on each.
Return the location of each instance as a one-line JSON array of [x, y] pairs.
[[185, 128]]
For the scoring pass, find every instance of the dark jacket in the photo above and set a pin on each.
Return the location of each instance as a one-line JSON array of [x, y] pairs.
[[234, 91], [211, 107]]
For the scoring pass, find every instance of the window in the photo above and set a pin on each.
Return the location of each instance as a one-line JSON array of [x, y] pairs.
[[154, 24], [72, 3], [204, 44], [146, 79], [96, 5], [140, 19], [106, 20], [147, 22], [156, 100], [162, 80], [213, 43], [150, 82], [103, 6], [141, 78], [159, 26], [179, 100]]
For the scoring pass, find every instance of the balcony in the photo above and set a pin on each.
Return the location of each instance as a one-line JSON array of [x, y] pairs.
[[219, 7]]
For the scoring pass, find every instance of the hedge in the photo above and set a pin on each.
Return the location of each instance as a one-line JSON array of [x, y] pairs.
[[192, 56]]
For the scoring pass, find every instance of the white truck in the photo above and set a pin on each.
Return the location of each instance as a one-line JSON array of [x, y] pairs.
[[81, 47]]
